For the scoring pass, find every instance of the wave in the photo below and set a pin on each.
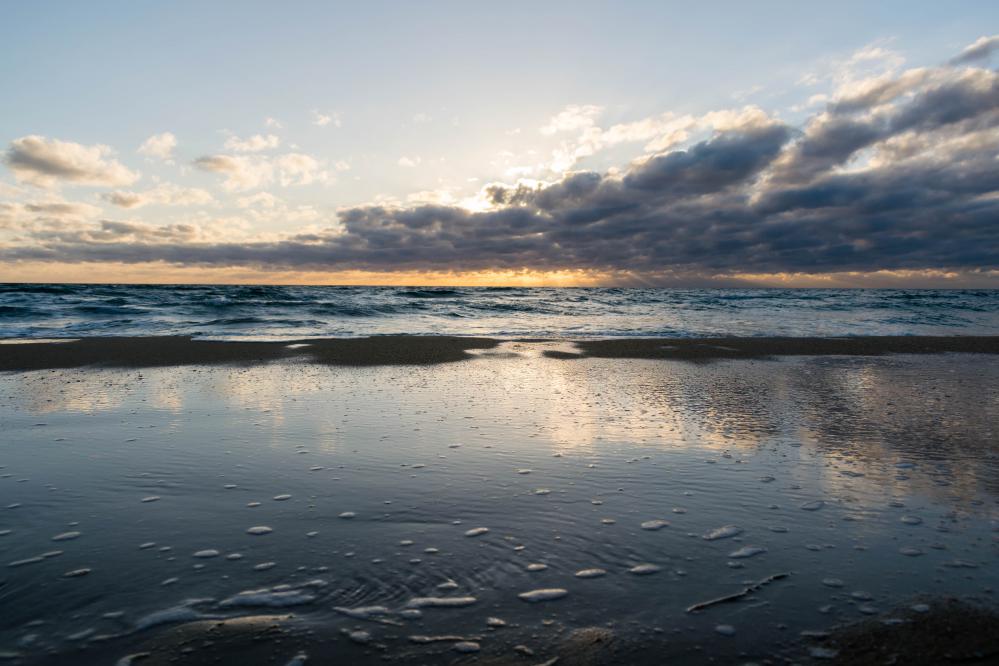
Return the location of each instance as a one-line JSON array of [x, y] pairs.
[[430, 293], [300, 311]]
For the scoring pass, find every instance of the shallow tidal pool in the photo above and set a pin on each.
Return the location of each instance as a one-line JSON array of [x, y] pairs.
[[487, 507]]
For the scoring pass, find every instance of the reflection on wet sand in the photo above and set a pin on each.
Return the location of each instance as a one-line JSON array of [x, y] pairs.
[[429, 500]]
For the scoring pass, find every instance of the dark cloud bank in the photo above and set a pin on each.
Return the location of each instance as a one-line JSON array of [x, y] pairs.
[[898, 175]]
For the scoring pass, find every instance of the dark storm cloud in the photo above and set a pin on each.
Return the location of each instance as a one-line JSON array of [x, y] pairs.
[[898, 175]]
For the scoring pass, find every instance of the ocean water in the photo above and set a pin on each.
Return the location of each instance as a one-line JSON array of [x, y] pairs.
[[279, 312], [502, 501]]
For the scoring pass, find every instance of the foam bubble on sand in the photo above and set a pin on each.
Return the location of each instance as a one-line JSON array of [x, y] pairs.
[[27, 560], [477, 531], [542, 491], [644, 569], [448, 585], [234, 556], [607, 521], [76, 573], [495, 622], [259, 530], [253, 504], [823, 653], [722, 533], [912, 520], [590, 573], [66, 536], [207, 553], [264, 566], [364, 612], [655, 524], [466, 647], [151, 498], [360, 637], [537, 567], [833, 582], [545, 594], [281, 498], [347, 515], [441, 602], [275, 597], [747, 551], [524, 471], [181, 613]]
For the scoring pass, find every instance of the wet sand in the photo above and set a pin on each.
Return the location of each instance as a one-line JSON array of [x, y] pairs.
[[539, 501], [137, 352]]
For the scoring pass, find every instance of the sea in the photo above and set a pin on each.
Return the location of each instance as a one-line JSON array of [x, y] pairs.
[[290, 312]]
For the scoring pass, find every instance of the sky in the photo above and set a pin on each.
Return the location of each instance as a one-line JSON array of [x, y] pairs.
[[522, 143]]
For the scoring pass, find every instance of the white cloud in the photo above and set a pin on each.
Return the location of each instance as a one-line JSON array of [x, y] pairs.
[[165, 194], [324, 119], [422, 118], [248, 172], [408, 162], [573, 117], [300, 169], [44, 162], [273, 123], [159, 145], [981, 49], [258, 200], [242, 172], [252, 144]]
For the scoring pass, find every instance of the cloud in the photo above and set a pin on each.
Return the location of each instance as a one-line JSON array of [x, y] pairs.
[[258, 200], [47, 163], [300, 169], [573, 117], [165, 194], [324, 119], [408, 162], [896, 173], [246, 172], [33, 215], [981, 49], [242, 173], [273, 122], [159, 145], [253, 144]]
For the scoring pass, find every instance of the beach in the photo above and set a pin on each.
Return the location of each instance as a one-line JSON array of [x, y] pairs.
[[443, 499]]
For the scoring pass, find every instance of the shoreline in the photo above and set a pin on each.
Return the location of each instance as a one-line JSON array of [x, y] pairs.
[[19, 354]]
